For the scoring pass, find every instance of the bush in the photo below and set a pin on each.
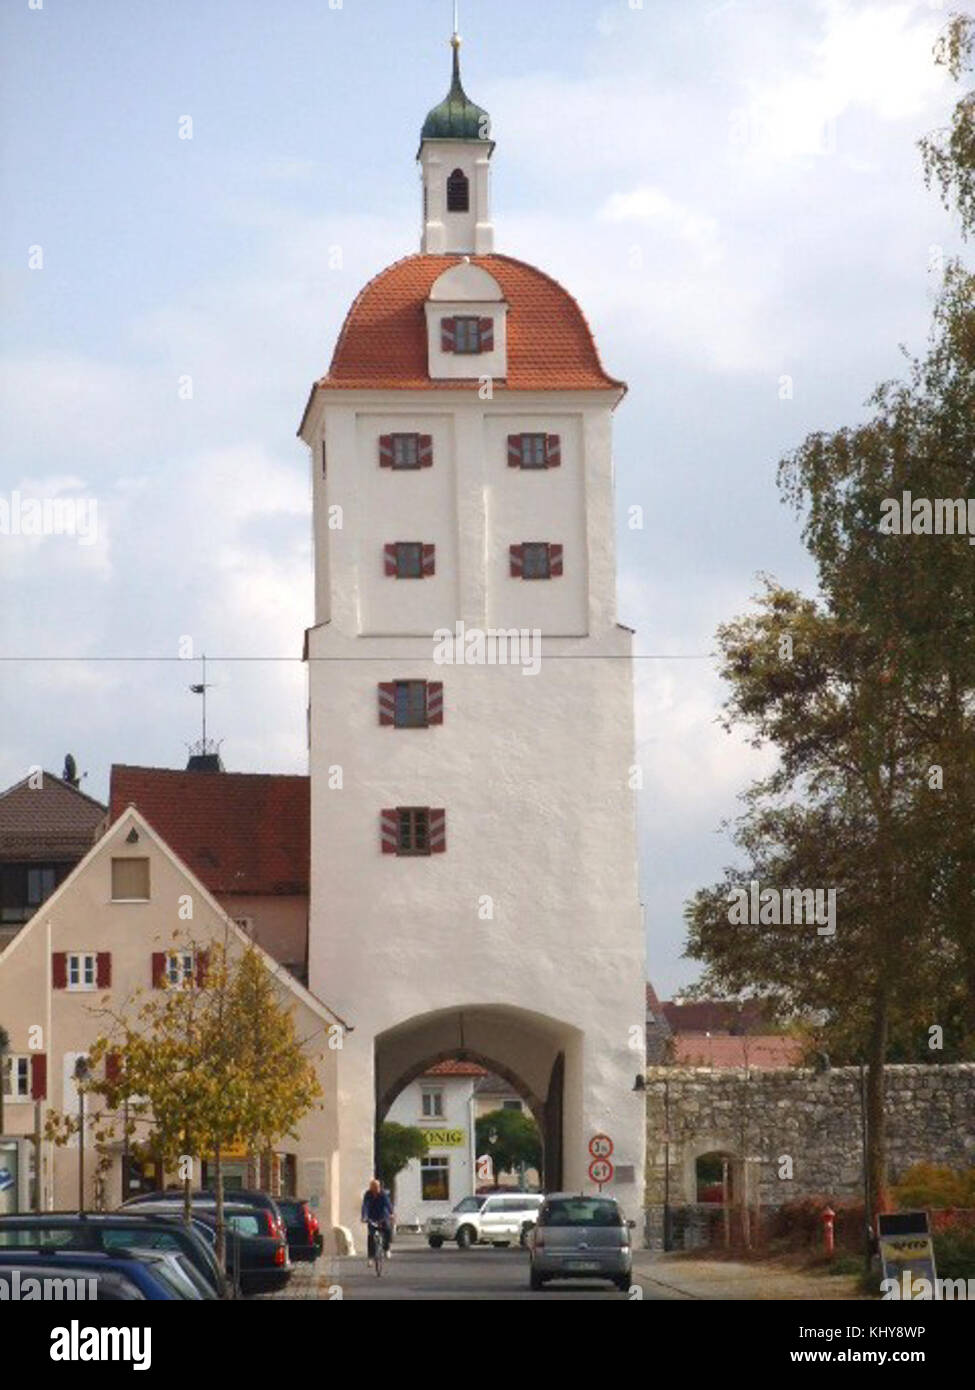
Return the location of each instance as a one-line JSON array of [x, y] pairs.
[[954, 1254], [928, 1185]]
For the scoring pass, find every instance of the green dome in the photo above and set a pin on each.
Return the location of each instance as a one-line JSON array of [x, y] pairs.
[[456, 118]]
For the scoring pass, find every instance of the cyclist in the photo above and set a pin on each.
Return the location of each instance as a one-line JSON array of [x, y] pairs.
[[377, 1208]]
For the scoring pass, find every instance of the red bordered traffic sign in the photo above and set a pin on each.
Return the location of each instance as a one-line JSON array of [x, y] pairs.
[[600, 1146], [600, 1170]]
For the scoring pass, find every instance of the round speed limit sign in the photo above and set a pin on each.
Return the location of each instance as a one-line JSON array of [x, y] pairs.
[[600, 1170]]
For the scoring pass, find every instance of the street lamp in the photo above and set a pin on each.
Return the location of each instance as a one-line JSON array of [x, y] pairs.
[[82, 1070]]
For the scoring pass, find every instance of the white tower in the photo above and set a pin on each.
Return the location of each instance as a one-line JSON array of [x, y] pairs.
[[474, 862]]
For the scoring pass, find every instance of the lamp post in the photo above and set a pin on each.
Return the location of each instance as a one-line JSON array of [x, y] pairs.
[[82, 1071]]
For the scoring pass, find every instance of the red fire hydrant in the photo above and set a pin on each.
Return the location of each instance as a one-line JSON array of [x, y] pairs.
[[827, 1218]]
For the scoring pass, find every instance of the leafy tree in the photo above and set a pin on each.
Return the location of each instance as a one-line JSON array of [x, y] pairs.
[[868, 696], [949, 155], [398, 1144], [516, 1140]]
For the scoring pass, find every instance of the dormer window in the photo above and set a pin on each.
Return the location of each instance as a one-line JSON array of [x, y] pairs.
[[458, 192], [467, 334]]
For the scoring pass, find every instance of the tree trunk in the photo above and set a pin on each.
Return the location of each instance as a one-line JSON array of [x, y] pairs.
[[221, 1228], [876, 1090]]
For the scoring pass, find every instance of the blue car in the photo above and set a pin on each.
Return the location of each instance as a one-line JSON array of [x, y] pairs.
[[154, 1276]]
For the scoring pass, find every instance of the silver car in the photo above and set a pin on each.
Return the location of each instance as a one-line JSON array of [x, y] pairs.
[[580, 1237]]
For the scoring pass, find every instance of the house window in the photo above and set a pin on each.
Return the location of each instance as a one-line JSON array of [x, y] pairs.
[[458, 192], [130, 880], [411, 705], [179, 968], [406, 450], [432, 1105], [16, 1077], [511, 1105], [414, 830], [533, 451], [40, 884], [467, 335], [535, 563], [82, 970], [435, 1178], [409, 560]]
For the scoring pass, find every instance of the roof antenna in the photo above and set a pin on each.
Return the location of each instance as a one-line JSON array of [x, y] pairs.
[[205, 755], [202, 689]]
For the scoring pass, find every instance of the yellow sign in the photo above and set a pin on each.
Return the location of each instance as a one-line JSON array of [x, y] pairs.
[[445, 1138]]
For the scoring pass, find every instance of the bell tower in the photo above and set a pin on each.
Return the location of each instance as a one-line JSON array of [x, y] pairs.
[[455, 166]]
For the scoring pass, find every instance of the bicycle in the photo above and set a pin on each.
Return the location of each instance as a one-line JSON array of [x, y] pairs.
[[378, 1257]]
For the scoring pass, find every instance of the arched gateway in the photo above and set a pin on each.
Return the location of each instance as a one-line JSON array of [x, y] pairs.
[[473, 865]]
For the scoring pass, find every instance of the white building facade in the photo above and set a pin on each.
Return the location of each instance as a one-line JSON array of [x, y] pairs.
[[441, 1104], [474, 887]]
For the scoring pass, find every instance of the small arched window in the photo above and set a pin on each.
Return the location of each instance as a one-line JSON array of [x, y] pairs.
[[458, 192]]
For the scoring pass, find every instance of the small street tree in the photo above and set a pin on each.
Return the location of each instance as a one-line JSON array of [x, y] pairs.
[[511, 1138], [398, 1144]]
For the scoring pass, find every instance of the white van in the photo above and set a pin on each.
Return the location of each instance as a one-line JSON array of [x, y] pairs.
[[500, 1219]]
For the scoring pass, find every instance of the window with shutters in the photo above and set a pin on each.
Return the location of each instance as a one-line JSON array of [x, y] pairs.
[[410, 708], [15, 1074], [82, 969], [180, 968], [535, 560], [458, 192], [409, 560], [130, 880], [413, 830], [533, 450], [467, 335]]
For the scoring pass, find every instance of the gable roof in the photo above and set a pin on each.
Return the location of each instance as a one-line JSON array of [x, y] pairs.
[[239, 832], [717, 1016], [454, 1068], [51, 822], [383, 342], [131, 816]]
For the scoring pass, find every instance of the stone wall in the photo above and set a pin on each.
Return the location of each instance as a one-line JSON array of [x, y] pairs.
[[760, 1118]]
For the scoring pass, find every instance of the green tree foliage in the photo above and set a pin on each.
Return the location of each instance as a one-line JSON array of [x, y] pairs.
[[867, 694], [949, 155], [398, 1144], [517, 1140]]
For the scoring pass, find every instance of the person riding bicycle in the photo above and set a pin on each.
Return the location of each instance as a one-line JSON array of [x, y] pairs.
[[377, 1208]]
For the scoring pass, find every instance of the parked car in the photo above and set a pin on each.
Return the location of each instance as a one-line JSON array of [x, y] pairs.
[[302, 1228], [111, 1233], [580, 1237], [495, 1220], [256, 1257], [152, 1275], [203, 1197]]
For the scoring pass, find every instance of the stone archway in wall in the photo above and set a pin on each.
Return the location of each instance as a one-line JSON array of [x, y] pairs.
[[527, 1049]]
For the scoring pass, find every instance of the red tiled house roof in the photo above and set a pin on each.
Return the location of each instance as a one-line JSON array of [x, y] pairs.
[[761, 1052], [455, 1068], [239, 832], [53, 822], [383, 342], [716, 1016]]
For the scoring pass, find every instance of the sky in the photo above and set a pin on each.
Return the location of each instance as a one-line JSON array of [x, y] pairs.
[[193, 193]]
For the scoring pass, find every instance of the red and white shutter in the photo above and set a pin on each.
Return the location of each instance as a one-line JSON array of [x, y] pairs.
[[387, 702], [553, 451], [425, 450], [516, 554], [429, 559], [59, 969], [202, 966], [38, 1076], [438, 830], [385, 451], [447, 335], [389, 829], [103, 977], [555, 560], [159, 969], [389, 558], [514, 450], [486, 335], [434, 702]]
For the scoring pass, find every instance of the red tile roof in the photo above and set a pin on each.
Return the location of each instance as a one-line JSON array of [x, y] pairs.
[[239, 832], [53, 822], [762, 1051], [716, 1016], [383, 342], [453, 1068]]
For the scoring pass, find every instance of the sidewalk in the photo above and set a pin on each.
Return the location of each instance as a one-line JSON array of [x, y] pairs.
[[733, 1280]]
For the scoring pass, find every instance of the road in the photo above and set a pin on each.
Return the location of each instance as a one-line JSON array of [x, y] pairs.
[[416, 1273]]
